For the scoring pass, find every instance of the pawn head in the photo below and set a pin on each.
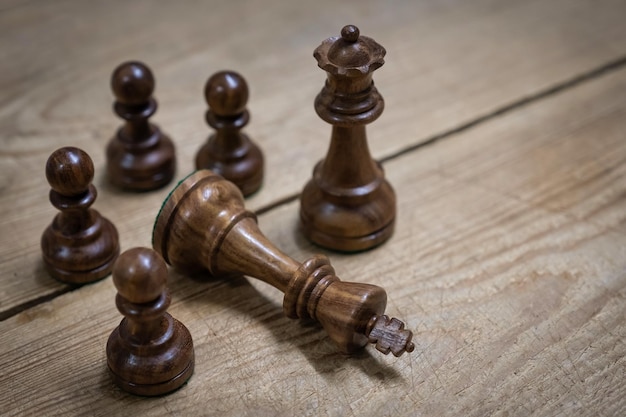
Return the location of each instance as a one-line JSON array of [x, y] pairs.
[[140, 275], [132, 83], [69, 171], [226, 93]]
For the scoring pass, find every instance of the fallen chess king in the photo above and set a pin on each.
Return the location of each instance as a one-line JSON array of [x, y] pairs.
[[203, 225]]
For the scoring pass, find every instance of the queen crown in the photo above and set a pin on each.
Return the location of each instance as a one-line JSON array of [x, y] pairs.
[[350, 55]]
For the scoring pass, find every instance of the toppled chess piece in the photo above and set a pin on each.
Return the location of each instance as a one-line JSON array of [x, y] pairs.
[[228, 152], [348, 205], [150, 352], [139, 157], [203, 226], [80, 246]]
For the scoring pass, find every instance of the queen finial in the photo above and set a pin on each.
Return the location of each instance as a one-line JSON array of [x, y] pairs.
[[350, 33]]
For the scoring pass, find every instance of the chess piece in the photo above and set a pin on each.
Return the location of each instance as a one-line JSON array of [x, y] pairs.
[[348, 205], [150, 352], [203, 226], [80, 246], [229, 152], [139, 156]]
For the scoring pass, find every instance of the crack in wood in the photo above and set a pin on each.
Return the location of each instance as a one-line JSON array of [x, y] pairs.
[[598, 72]]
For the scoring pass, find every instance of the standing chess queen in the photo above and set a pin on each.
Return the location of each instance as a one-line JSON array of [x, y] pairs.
[[348, 205]]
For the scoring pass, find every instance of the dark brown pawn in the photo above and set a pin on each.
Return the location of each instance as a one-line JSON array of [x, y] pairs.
[[150, 352], [229, 152], [348, 205], [139, 157], [80, 245]]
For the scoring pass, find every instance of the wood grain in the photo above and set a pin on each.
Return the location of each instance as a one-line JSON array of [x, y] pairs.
[[447, 64], [510, 263]]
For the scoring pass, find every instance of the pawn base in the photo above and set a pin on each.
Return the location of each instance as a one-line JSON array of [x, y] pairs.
[[155, 367], [81, 277], [141, 166], [151, 390], [244, 168], [81, 258]]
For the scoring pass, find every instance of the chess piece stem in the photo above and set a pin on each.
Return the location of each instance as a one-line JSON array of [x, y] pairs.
[[348, 205], [203, 225]]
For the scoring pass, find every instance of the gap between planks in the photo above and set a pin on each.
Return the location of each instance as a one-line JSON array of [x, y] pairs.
[[596, 73], [555, 89]]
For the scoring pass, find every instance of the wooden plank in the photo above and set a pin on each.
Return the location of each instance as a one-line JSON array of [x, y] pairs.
[[509, 262], [446, 65]]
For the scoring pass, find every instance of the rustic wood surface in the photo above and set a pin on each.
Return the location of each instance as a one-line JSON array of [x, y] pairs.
[[446, 67], [503, 135]]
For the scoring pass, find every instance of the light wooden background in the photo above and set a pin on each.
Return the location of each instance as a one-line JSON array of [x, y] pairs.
[[504, 135]]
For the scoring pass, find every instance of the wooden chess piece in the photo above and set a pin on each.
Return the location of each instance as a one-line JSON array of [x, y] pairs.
[[229, 152], [139, 157], [348, 205], [150, 352], [203, 225], [80, 246]]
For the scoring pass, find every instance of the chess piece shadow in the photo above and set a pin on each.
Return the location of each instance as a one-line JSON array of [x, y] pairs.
[[235, 292]]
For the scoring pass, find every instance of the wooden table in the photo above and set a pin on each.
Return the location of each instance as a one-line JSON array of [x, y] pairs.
[[504, 135]]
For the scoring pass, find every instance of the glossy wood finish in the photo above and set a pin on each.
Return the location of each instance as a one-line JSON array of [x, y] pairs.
[[149, 353], [80, 245], [139, 157], [348, 205], [507, 258], [203, 225], [228, 152]]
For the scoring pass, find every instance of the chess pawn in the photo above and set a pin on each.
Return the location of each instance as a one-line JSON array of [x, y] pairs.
[[228, 152], [348, 205], [139, 157], [80, 246], [150, 352], [203, 226]]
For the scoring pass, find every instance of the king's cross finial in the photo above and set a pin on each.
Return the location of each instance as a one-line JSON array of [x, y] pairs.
[[390, 335]]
